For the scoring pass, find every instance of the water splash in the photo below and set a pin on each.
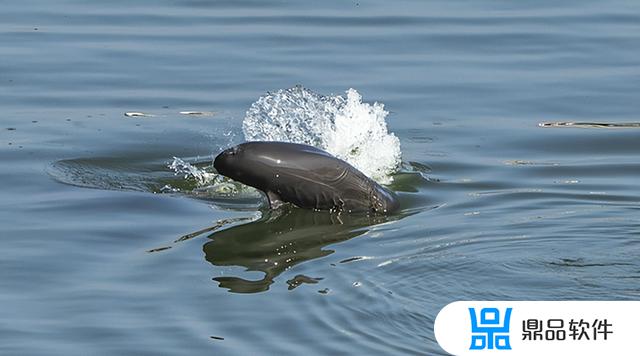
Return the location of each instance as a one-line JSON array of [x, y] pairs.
[[343, 126], [201, 176], [207, 183]]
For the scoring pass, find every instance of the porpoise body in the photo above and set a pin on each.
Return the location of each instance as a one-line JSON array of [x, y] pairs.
[[305, 176]]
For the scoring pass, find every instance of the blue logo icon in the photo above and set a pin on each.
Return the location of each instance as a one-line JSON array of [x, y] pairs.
[[489, 333]]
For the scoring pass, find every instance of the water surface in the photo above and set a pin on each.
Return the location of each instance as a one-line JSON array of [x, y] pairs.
[[499, 206]]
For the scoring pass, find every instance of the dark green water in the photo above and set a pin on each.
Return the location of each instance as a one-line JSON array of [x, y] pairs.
[[500, 207]]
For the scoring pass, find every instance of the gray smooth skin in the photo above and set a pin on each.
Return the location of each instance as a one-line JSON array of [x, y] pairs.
[[305, 176]]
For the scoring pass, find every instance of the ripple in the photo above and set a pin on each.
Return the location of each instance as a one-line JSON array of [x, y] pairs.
[[592, 125]]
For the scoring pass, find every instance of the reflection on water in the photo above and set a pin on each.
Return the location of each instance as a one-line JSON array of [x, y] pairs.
[[273, 243], [279, 240]]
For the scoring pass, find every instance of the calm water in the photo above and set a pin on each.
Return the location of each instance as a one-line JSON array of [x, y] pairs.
[[499, 207]]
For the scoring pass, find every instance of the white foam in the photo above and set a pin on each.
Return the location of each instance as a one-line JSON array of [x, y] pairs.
[[345, 127], [202, 177], [208, 184]]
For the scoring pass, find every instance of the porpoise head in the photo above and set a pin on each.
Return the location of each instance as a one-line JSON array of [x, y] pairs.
[[242, 163]]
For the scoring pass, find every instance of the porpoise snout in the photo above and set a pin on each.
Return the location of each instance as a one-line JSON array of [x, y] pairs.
[[221, 162]]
